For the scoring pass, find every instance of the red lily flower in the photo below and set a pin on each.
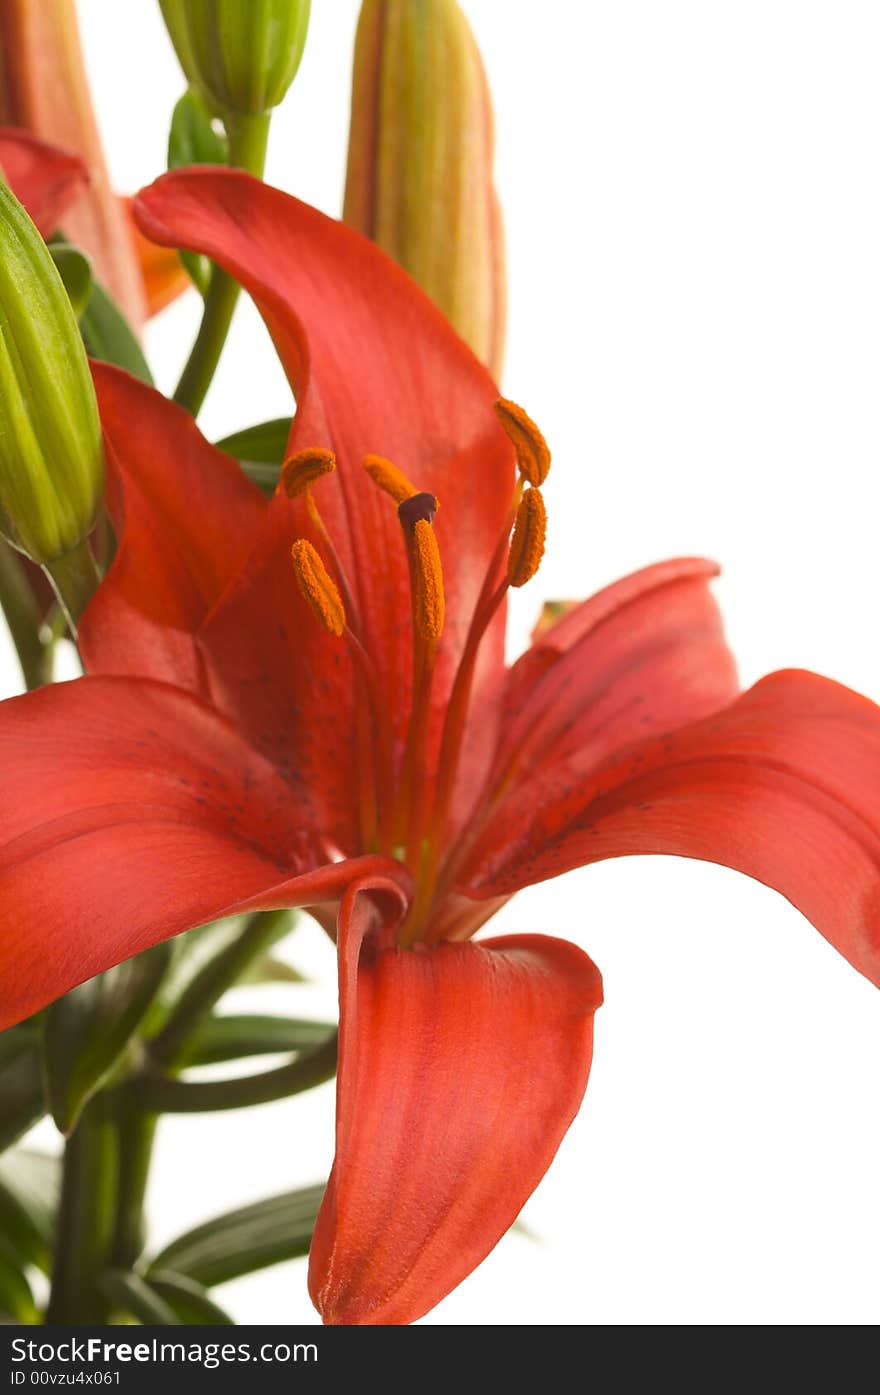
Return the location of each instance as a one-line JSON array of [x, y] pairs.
[[242, 741]]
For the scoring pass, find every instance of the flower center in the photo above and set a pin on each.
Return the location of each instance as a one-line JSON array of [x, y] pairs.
[[405, 811]]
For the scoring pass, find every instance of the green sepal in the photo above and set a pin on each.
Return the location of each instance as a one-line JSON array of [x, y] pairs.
[[260, 451], [229, 1038], [16, 1299], [108, 336], [131, 1294], [22, 1099], [242, 1241], [189, 1300], [30, 1185], [86, 1031], [75, 270]]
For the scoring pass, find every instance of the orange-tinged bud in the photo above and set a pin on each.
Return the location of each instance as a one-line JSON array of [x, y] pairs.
[[419, 179], [532, 451], [301, 471], [527, 543], [318, 587], [44, 89]]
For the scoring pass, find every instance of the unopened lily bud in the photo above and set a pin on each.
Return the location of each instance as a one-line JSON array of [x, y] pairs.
[[51, 457], [419, 179], [241, 55]]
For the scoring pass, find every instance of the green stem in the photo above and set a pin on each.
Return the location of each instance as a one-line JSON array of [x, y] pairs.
[[208, 986], [167, 1095], [85, 1219], [23, 619], [76, 579], [136, 1131], [248, 136]]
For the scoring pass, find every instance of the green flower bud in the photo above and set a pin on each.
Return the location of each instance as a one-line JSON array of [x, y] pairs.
[[51, 455], [241, 55]]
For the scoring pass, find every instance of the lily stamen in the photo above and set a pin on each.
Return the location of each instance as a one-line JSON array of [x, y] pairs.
[[387, 476], [318, 588], [532, 451]]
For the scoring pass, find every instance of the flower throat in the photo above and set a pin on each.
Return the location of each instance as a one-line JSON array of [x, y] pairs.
[[405, 813]]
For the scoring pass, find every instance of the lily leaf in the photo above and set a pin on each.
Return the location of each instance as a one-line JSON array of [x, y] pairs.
[[194, 139], [30, 1183], [75, 271], [271, 969], [240, 1242], [108, 336], [16, 1300], [190, 1300], [134, 1295], [228, 1038], [260, 451], [87, 1030], [22, 1100]]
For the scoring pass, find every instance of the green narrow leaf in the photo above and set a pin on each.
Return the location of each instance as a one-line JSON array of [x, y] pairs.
[[87, 1030], [240, 1242], [260, 451], [270, 969], [132, 1294], [228, 1038], [75, 271], [195, 139], [30, 1184], [22, 1100], [108, 336], [16, 1300], [191, 1301]]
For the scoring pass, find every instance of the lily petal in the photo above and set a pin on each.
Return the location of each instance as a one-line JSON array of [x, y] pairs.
[[132, 812], [43, 178], [460, 1070], [163, 273], [376, 369], [643, 656], [783, 785], [186, 519]]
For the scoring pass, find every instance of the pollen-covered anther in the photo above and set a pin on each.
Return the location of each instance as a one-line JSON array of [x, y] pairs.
[[318, 587], [300, 471], [389, 478], [532, 451], [527, 543], [429, 601]]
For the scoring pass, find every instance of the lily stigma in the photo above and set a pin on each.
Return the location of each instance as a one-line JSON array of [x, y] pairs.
[[304, 701]]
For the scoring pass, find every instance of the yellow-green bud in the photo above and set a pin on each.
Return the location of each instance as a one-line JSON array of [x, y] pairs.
[[51, 456], [241, 55], [419, 179]]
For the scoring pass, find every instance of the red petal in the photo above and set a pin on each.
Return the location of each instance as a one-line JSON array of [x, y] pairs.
[[376, 369], [46, 180], [163, 273], [460, 1070], [642, 656], [186, 518], [783, 785], [132, 812]]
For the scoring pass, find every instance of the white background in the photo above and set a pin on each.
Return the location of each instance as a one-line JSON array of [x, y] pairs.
[[691, 197]]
